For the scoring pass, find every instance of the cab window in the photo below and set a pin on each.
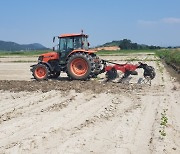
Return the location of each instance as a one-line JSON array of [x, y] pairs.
[[77, 42], [63, 44], [66, 44]]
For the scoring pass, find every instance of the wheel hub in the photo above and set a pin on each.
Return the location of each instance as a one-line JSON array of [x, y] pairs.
[[79, 66], [40, 72]]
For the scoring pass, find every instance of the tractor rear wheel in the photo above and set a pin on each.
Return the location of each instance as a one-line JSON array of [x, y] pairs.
[[40, 72], [80, 66]]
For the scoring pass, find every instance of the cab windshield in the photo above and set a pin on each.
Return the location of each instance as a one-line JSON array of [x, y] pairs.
[[72, 43]]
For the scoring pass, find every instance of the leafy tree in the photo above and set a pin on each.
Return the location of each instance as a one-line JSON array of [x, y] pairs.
[[125, 44]]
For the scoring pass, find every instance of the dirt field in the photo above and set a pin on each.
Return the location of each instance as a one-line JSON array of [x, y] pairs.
[[61, 116]]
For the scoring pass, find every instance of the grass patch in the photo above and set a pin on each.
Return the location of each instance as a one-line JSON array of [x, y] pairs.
[[170, 56], [21, 53]]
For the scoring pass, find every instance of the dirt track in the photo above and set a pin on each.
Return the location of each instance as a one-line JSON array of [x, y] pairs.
[[88, 117]]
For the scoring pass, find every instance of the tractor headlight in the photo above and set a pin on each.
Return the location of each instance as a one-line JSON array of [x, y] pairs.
[[40, 58]]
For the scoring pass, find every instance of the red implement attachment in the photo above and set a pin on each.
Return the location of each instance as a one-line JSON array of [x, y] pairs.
[[127, 69], [121, 67]]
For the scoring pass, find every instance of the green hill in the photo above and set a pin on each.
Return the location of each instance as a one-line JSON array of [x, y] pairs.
[[12, 46]]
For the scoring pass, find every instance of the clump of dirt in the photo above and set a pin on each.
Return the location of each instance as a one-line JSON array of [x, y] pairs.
[[65, 86]]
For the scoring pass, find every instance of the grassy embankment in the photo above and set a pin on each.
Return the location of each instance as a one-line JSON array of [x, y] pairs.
[[171, 57]]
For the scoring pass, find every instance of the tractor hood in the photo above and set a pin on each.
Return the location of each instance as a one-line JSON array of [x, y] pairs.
[[49, 56], [82, 50]]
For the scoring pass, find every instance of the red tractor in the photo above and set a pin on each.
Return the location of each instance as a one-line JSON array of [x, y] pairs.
[[72, 57]]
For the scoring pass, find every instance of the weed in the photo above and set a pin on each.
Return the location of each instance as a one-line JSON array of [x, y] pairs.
[[163, 123]]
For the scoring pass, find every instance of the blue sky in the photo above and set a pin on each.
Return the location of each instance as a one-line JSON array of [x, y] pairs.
[[152, 22]]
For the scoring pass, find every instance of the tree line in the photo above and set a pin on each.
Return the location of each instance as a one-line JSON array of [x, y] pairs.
[[126, 44]]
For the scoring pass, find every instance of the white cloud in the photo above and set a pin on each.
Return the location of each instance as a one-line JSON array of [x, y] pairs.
[[171, 20]]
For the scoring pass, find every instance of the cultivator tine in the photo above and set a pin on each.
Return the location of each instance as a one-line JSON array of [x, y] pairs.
[[124, 80], [149, 71], [111, 75], [145, 80]]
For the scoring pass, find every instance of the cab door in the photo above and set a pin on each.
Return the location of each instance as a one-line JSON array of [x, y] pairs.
[[65, 47]]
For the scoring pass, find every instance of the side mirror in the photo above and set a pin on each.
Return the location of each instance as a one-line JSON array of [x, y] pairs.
[[54, 39], [88, 44]]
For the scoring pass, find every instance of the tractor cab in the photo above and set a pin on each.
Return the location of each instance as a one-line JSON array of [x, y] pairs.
[[69, 43]]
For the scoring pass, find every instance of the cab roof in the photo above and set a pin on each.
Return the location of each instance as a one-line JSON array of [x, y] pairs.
[[72, 35]]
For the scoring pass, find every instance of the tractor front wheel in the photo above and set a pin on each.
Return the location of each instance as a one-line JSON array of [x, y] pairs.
[[40, 72], [80, 66]]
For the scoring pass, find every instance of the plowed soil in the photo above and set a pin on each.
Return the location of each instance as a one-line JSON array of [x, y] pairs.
[[66, 86], [62, 116]]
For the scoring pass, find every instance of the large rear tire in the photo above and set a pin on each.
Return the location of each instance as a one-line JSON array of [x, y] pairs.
[[97, 66], [40, 72], [80, 66]]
